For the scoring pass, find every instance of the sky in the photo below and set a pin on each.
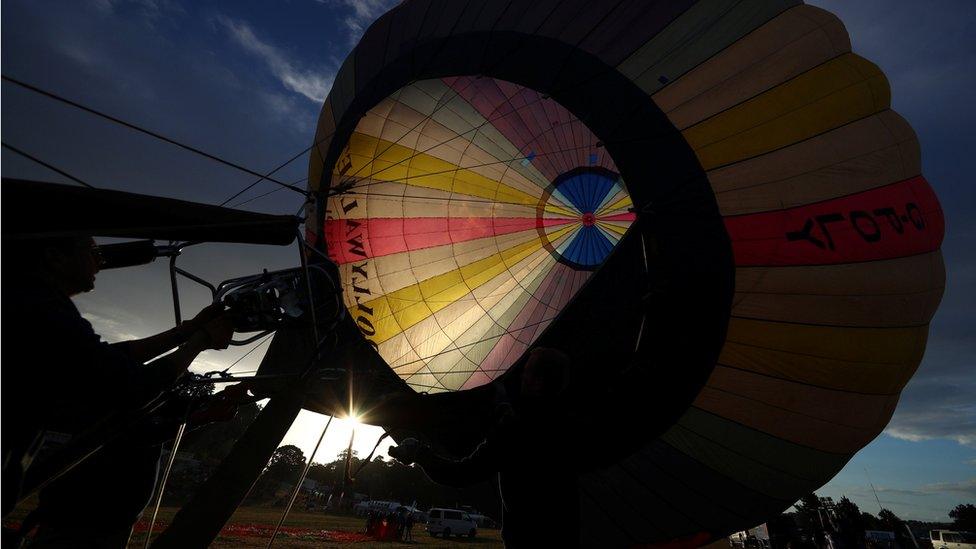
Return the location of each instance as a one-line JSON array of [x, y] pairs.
[[245, 81]]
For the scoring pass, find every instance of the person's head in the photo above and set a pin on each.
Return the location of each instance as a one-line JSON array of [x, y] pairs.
[[69, 263], [547, 376]]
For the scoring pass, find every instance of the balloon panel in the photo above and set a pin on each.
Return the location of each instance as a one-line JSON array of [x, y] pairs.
[[476, 209]]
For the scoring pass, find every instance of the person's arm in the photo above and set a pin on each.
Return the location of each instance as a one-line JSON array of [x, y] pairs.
[[216, 334], [479, 466], [143, 350]]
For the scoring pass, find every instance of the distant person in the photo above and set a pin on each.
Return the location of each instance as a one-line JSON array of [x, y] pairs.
[[401, 523], [408, 527], [370, 520], [520, 451], [59, 376]]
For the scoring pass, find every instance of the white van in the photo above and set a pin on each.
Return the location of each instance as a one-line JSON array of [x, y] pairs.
[[951, 539], [450, 522]]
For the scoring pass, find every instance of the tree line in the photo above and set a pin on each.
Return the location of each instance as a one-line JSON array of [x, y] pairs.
[[380, 479]]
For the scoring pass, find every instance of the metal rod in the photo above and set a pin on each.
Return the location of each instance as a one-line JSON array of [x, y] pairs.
[[198, 280], [876, 498], [162, 484], [176, 290], [347, 474], [303, 257], [298, 486], [238, 379]]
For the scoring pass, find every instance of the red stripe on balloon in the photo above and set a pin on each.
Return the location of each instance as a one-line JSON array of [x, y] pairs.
[[629, 216], [896, 220], [352, 240]]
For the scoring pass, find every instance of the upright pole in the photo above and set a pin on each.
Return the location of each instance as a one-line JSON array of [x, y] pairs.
[[199, 522], [298, 486], [162, 484], [876, 498], [346, 475], [176, 289]]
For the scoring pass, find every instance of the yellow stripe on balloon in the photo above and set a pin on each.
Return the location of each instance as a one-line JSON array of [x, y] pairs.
[[868, 360], [399, 310], [612, 227], [488, 303], [621, 204], [835, 93], [381, 160]]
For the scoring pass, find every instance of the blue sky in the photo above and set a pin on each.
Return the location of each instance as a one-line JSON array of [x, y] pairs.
[[245, 80]]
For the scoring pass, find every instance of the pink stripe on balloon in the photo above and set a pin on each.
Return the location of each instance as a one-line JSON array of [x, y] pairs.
[[521, 332], [629, 216], [358, 239], [553, 140]]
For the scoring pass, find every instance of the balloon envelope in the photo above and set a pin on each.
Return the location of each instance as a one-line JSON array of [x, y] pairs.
[[716, 193]]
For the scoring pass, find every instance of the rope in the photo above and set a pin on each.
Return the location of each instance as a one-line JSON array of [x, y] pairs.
[[298, 485], [266, 339], [46, 165], [272, 191], [131, 126], [162, 484], [369, 458]]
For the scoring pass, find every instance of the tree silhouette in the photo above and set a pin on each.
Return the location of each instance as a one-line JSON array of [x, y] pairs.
[[809, 520], [288, 455], [964, 517], [283, 469], [889, 520], [849, 523]]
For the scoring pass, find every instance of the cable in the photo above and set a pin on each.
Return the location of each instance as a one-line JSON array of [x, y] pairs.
[[150, 133], [520, 157], [369, 458], [298, 485], [46, 165], [272, 191], [266, 339]]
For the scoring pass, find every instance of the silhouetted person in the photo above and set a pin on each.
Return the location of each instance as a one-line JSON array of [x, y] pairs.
[[539, 486], [408, 527], [59, 376]]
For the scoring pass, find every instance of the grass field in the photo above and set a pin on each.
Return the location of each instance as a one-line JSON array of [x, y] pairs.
[[252, 526], [304, 529]]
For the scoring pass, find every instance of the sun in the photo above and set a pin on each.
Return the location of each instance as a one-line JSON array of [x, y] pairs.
[[353, 420]]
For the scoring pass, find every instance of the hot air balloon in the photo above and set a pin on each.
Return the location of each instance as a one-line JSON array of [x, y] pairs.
[[717, 194], [710, 206]]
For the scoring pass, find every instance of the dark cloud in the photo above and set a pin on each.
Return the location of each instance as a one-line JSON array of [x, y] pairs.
[[966, 487], [360, 13], [927, 52], [939, 401], [177, 74], [313, 85]]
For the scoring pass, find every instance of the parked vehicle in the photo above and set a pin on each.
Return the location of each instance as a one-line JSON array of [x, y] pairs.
[[382, 507], [450, 522], [880, 539], [952, 539]]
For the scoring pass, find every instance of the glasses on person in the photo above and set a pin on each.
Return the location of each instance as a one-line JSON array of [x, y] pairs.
[[97, 255]]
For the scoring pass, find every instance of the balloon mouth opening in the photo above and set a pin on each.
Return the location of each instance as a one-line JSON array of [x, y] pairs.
[[480, 208], [592, 203]]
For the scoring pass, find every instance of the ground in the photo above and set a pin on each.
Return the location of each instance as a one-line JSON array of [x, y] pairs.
[[252, 526]]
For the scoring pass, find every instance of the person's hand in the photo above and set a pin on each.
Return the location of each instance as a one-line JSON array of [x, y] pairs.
[[219, 331], [208, 313], [407, 451]]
